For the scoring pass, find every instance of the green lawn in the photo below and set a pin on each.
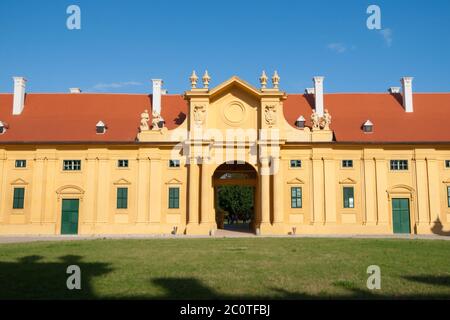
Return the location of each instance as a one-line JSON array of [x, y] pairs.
[[279, 268]]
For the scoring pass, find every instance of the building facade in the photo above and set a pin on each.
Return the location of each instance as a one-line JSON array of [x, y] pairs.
[[83, 163]]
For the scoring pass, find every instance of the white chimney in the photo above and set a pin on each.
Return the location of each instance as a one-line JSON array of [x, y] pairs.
[[75, 90], [19, 95], [407, 93], [318, 92], [156, 97]]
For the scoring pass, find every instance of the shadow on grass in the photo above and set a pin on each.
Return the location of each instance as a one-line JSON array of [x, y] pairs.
[[31, 278]]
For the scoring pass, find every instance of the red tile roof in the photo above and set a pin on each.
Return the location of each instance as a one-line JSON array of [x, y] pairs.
[[72, 117], [428, 122]]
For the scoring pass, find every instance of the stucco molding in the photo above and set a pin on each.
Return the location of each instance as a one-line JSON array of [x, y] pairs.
[[19, 182], [72, 191], [174, 181], [348, 181], [122, 181], [296, 181], [401, 190]]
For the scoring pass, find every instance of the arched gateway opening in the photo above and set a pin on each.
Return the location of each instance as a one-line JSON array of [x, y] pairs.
[[235, 189]]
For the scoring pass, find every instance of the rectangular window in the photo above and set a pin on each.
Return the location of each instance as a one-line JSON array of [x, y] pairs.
[[295, 163], [296, 197], [448, 196], [19, 195], [349, 198], [174, 163], [122, 163], [72, 165], [21, 163], [174, 198], [447, 164], [347, 163], [122, 198], [399, 165]]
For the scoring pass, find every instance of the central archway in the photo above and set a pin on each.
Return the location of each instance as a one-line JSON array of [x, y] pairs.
[[235, 197]]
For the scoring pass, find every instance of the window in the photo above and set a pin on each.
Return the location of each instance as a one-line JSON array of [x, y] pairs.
[[71, 165], [174, 163], [347, 163], [447, 164], [122, 198], [174, 198], [448, 196], [399, 164], [349, 198], [21, 163], [122, 163], [19, 195], [295, 163], [296, 197]]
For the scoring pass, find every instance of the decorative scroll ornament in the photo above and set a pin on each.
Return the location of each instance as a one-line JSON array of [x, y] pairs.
[[199, 114], [263, 80], [145, 117], [270, 115], [319, 123], [193, 80]]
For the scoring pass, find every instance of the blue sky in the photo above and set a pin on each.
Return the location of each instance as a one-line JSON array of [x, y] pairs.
[[123, 44]]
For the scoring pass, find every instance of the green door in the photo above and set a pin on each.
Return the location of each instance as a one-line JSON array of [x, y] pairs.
[[69, 220], [400, 215]]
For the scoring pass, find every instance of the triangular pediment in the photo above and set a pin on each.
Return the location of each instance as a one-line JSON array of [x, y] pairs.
[[234, 82], [296, 181], [174, 181], [122, 181], [19, 181], [347, 181]]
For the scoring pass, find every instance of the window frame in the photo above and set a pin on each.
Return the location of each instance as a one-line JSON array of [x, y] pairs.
[[395, 165], [173, 200], [176, 162], [121, 199], [124, 161], [17, 161], [73, 167], [448, 196], [296, 197], [345, 162], [18, 201], [291, 161], [447, 164], [346, 203]]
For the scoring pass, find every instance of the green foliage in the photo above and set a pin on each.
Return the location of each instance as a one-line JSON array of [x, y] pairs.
[[236, 199]]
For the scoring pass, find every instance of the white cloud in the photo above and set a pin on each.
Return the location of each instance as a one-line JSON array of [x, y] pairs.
[[387, 36], [115, 85], [337, 47]]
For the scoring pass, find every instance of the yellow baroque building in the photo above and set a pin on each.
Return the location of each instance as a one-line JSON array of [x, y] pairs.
[[85, 163]]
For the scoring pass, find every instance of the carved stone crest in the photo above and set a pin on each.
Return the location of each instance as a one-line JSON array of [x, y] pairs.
[[270, 115], [199, 114]]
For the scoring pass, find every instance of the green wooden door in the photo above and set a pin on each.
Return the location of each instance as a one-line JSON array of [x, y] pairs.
[[69, 220], [400, 215]]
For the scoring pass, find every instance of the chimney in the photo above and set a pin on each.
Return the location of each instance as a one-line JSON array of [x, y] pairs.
[[19, 95], [156, 98], [75, 90], [407, 93], [318, 92]]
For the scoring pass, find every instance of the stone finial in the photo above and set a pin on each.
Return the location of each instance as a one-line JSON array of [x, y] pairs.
[[193, 80], [206, 78], [275, 80], [263, 80]]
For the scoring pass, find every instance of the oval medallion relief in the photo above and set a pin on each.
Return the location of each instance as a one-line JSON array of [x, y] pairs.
[[234, 113]]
